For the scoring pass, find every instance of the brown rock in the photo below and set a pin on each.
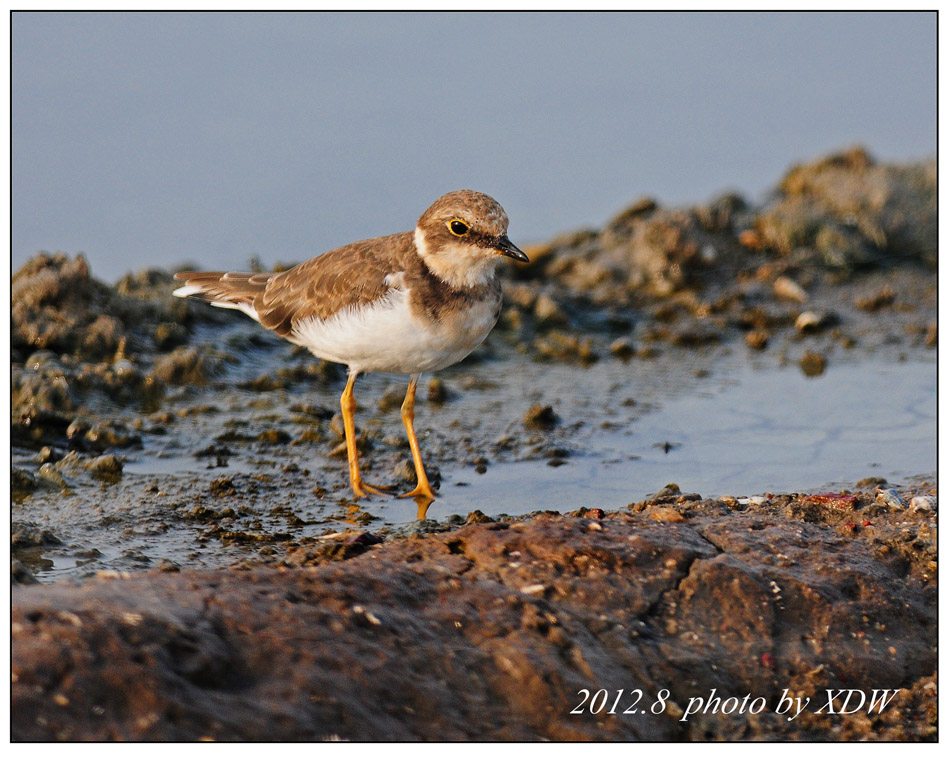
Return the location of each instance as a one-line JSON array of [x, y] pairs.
[[437, 394], [878, 300], [757, 339], [491, 631], [812, 364], [667, 514], [540, 417]]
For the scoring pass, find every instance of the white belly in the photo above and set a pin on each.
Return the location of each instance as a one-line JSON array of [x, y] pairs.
[[386, 337]]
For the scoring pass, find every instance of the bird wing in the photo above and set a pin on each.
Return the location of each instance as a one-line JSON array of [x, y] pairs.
[[353, 275]]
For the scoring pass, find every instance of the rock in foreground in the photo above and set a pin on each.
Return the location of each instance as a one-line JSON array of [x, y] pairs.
[[491, 632]]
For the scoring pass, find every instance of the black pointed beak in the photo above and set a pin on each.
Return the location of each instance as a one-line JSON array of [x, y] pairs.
[[510, 250]]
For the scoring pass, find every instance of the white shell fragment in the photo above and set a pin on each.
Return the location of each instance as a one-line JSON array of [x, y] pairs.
[[359, 609], [890, 498], [531, 590], [751, 500], [809, 320], [789, 290], [923, 504]]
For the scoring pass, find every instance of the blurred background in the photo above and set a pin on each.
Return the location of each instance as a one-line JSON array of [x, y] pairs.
[[156, 139]]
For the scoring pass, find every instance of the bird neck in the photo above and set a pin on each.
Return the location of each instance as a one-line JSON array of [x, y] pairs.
[[458, 266]]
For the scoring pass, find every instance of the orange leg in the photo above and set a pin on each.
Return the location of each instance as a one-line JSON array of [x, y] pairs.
[[348, 406], [422, 488]]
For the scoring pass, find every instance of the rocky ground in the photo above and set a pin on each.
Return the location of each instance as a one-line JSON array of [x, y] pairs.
[[478, 627], [494, 631]]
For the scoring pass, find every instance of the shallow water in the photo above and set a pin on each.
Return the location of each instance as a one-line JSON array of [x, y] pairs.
[[751, 431], [715, 424]]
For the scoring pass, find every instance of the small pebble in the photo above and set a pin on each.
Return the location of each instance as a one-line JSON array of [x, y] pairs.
[[547, 311], [112, 574], [51, 474], [757, 339], [931, 337], [404, 471], [883, 297], [622, 348], [108, 465], [667, 514], [540, 417], [48, 455], [437, 393], [530, 590], [274, 436], [812, 364]]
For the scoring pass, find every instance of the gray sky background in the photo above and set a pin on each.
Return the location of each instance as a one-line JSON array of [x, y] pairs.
[[151, 139]]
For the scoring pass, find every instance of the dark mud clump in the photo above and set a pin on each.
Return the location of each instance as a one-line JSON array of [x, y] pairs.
[[691, 277], [77, 342], [846, 210], [58, 306], [496, 630], [85, 353]]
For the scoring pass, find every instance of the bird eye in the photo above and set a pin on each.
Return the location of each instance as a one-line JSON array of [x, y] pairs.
[[458, 227]]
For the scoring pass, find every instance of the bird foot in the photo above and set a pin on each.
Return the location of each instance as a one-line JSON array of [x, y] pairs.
[[362, 489], [420, 491]]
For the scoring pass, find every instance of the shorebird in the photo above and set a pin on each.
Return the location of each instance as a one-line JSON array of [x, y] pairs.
[[405, 303]]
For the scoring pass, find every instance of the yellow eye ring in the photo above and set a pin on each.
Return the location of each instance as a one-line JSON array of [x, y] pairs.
[[458, 227]]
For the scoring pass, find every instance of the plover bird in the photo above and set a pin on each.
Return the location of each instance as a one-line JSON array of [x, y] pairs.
[[405, 303]]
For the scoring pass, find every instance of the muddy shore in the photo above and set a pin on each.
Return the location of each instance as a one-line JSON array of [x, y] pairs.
[[254, 599]]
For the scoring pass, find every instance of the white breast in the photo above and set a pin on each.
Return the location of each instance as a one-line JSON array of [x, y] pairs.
[[385, 336]]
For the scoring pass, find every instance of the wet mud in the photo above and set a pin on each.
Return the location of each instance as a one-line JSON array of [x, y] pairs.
[[182, 516]]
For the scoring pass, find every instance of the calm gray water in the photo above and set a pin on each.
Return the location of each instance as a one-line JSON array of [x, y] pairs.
[[148, 140]]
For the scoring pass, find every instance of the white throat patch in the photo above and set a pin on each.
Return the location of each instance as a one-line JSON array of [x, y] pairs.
[[460, 266]]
